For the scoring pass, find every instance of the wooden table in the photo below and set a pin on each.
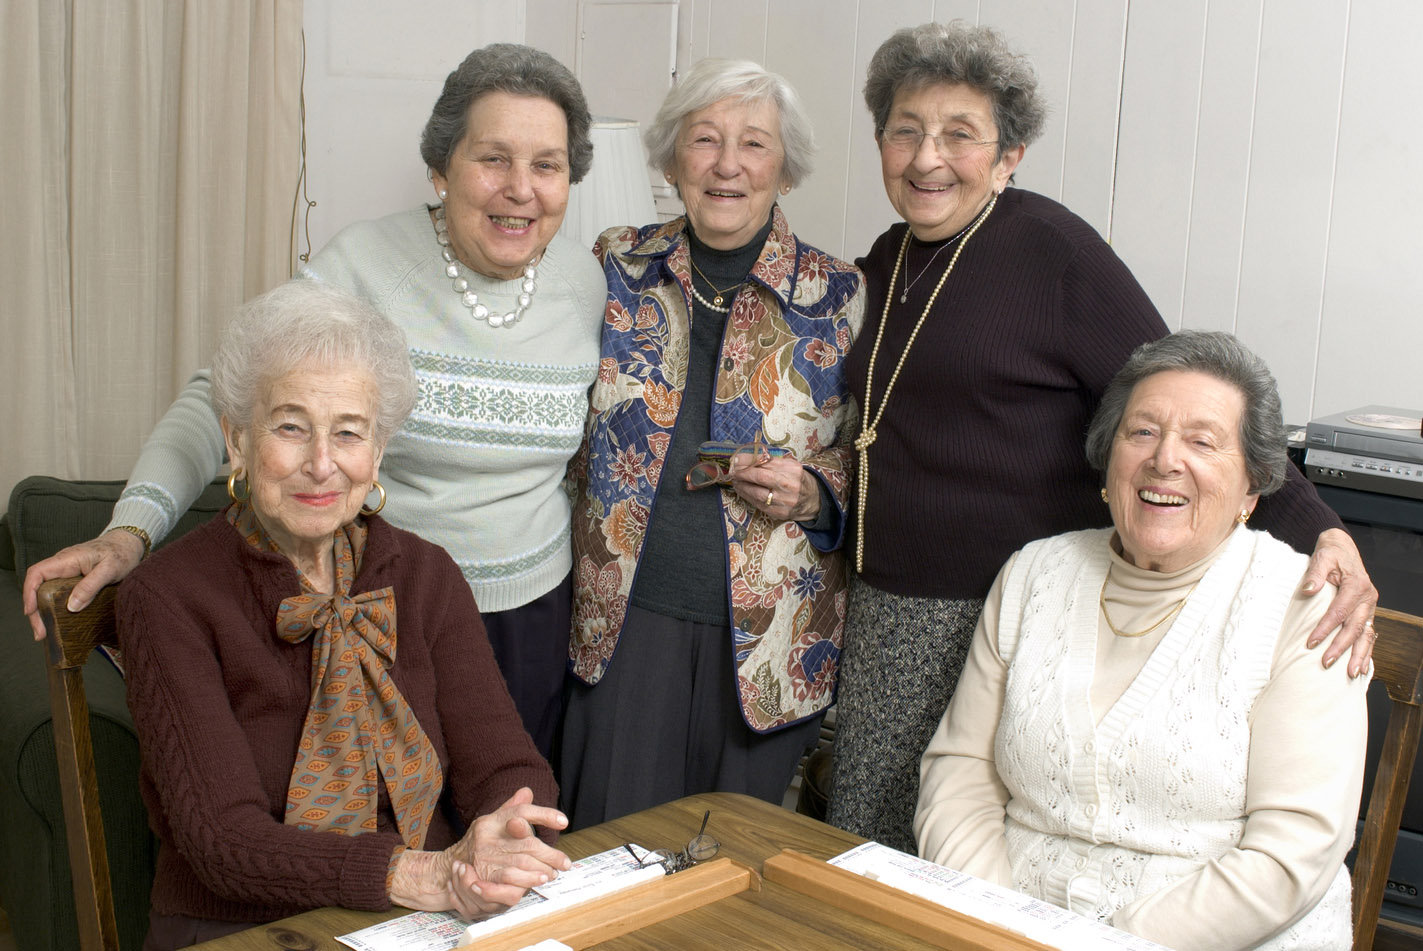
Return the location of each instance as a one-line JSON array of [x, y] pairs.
[[750, 831]]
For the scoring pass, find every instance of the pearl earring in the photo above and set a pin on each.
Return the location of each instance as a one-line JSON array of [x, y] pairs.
[[444, 194]]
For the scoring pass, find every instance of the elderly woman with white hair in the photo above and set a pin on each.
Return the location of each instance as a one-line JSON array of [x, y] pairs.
[[320, 717], [707, 624]]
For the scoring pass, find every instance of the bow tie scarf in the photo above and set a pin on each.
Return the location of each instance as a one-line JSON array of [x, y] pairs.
[[359, 730], [358, 724]]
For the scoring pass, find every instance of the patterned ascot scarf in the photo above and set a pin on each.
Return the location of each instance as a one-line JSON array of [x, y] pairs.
[[357, 722]]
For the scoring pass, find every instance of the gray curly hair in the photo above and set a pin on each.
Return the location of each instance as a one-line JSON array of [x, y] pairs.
[[1217, 354], [959, 52], [305, 320], [712, 80], [516, 69]]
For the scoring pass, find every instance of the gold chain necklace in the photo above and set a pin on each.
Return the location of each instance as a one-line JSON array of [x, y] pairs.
[[720, 294], [870, 431], [1102, 603]]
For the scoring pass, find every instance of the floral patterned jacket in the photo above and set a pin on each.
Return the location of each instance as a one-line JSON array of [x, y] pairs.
[[780, 380]]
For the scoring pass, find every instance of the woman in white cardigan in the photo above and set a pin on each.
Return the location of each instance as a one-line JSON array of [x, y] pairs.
[[1140, 733]]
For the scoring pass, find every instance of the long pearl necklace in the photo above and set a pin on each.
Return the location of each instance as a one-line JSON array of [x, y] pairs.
[[871, 420], [461, 284]]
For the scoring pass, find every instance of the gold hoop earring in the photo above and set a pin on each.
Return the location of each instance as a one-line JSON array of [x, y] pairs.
[[1104, 493], [232, 480], [367, 510]]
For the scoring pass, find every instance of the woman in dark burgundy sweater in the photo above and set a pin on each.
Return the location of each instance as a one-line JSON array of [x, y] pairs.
[[996, 317], [320, 717]]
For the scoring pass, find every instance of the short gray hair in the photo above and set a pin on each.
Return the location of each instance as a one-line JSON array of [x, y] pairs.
[[515, 69], [712, 80], [958, 52], [1217, 354], [306, 320]]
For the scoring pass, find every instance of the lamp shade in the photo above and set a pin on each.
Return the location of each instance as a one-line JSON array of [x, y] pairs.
[[616, 190]]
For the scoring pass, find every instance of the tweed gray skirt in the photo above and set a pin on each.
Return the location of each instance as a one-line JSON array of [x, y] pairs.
[[901, 661]]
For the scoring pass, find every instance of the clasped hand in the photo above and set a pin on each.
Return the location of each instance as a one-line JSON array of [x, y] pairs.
[[498, 860]]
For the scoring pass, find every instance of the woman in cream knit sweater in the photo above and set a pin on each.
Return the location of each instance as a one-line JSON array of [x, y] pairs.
[[1139, 732]]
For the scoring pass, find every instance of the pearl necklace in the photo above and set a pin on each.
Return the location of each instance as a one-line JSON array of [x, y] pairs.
[[716, 302], [870, 420], [706, 303], [469, 297]]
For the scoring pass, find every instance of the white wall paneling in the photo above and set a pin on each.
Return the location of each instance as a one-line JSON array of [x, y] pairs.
[[1090, 111], [1044, 31], [1290, 191], [1371, 331], [1225, 132], [619, 84], [1156, 146], [825, 86]]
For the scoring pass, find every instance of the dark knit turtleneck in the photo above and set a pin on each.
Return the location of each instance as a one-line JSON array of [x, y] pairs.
[[682, 571]]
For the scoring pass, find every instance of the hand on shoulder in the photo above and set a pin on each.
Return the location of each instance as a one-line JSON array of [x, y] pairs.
[[101, 561]]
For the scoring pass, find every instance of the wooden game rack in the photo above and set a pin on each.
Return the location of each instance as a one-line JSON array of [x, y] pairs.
[[918, 917], [584, 925]]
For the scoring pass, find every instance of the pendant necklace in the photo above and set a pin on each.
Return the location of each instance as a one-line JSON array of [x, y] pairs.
[[904, 296], [872, 418]]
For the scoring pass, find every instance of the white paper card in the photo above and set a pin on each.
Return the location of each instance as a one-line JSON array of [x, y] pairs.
[[1038, 920], [590, 878]]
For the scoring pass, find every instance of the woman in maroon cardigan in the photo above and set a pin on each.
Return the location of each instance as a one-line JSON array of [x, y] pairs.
[[319, 713]]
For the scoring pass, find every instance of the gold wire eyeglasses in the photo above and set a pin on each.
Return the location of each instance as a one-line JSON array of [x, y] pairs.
[[952, 143]]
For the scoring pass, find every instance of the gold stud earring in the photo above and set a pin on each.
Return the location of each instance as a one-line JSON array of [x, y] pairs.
[[1104, 493], [1243, 517]]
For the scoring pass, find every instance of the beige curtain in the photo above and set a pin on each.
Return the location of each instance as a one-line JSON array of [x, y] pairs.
[[150, 156]]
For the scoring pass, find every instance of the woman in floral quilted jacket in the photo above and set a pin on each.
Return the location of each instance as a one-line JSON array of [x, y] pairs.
[[709, 589]]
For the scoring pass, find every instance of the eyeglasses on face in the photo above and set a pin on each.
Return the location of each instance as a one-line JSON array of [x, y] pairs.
[[713, 466], [951, 143], [700, 848]]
